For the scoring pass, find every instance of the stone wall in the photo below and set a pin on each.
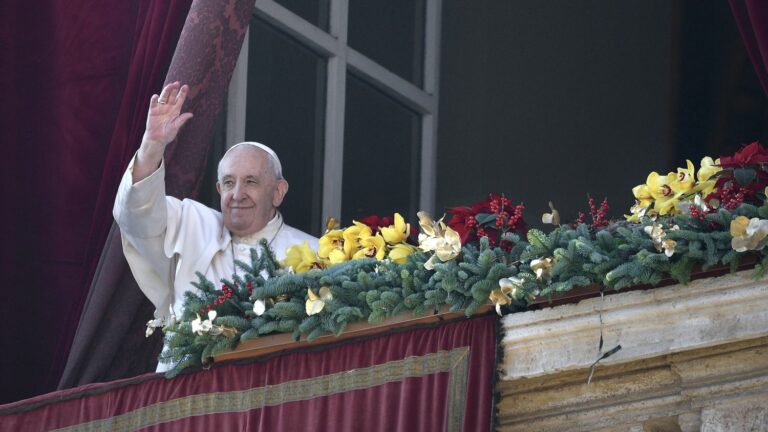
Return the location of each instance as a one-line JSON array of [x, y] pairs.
[[693, 358]]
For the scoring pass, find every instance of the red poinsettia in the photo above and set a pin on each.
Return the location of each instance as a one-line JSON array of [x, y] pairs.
[[489, 218], [375, 222], [744, 177], [752, 153]]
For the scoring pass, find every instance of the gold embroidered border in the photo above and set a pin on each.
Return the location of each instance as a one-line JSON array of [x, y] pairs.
[[455, 361]]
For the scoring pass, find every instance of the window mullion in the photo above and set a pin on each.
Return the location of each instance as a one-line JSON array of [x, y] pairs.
[[335, 109], [429, 121], [237, 98]]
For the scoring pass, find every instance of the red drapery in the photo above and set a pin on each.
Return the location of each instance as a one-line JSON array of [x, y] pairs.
[[752, 19], [428, 379], [75, 77]]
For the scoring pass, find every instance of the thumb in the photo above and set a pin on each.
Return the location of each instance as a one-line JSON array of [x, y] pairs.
[[182, 119]]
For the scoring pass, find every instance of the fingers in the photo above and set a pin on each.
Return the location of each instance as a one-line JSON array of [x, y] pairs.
[[181, 95], [153, 100], [167, 92]]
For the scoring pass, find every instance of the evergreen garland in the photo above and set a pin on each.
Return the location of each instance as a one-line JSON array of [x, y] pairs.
[[615, 256]]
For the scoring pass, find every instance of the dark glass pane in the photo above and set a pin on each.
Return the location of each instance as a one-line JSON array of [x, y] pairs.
[[382, 154], [391, 33], [286, 111], [314, 11]]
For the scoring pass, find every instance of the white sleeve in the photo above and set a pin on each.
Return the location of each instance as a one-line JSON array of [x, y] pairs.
[[143, 212]]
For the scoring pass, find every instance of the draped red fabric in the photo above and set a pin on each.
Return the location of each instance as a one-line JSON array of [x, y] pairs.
[[428, 379], [74, 78], [752, 19]]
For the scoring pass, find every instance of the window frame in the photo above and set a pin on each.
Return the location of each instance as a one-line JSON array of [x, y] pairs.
[[341, 57]]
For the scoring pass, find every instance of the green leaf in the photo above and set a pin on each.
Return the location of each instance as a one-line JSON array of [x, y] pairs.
[[484, 218], [744, 176]]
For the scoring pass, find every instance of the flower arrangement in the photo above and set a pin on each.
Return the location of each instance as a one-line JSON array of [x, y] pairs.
[[358, 241], [484, 254]]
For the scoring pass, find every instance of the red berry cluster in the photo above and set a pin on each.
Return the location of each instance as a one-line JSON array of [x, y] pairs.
[[249, 287], [471, 222], [697, 212], [599, 215], [731, 195], [226, 294], [480, 231], [498, 204], [504, 222], [516, 220]]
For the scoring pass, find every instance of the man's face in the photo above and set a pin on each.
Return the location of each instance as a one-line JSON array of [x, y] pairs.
[[250, 192]]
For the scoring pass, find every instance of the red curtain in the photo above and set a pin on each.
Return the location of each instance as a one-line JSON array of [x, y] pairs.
[[428, 379], [75, 77], [752, 19]]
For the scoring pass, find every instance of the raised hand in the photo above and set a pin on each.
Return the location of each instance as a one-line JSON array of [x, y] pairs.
[[165, 119], [163, 124]]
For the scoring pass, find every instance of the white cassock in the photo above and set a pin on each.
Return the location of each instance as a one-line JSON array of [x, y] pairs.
[[166, 241]]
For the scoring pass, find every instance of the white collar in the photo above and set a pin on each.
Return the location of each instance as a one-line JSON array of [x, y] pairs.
[[269, 232]]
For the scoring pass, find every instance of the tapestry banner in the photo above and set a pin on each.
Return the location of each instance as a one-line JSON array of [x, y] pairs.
[[436, 378]]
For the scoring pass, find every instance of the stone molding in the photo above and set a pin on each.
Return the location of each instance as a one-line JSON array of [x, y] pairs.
[[693, 358], [646, 323]]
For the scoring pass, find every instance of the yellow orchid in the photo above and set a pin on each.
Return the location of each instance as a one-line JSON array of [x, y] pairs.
[[661, 190], [658, 185], [352, 236], [708, 168], [337, 256], [316, 303], [371, 247], [684, 180], [643, 195], [301, 258], [507, 289], [543, 268], [398, 254], [706, 183], [551, 218], [437, 237], [331, 241], [330, 224], [748, 234], [398, 232]]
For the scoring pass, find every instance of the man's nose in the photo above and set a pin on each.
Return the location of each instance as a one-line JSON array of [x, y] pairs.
[[237, 191]]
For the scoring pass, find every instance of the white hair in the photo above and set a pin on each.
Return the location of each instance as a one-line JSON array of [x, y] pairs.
[[273, 160]]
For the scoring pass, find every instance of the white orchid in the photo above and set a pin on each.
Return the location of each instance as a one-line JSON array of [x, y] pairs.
[[748, 234], [200, 327], [259, 307]]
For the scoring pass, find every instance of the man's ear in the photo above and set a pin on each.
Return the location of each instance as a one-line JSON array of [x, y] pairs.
[[218, 187], [280, 190]]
